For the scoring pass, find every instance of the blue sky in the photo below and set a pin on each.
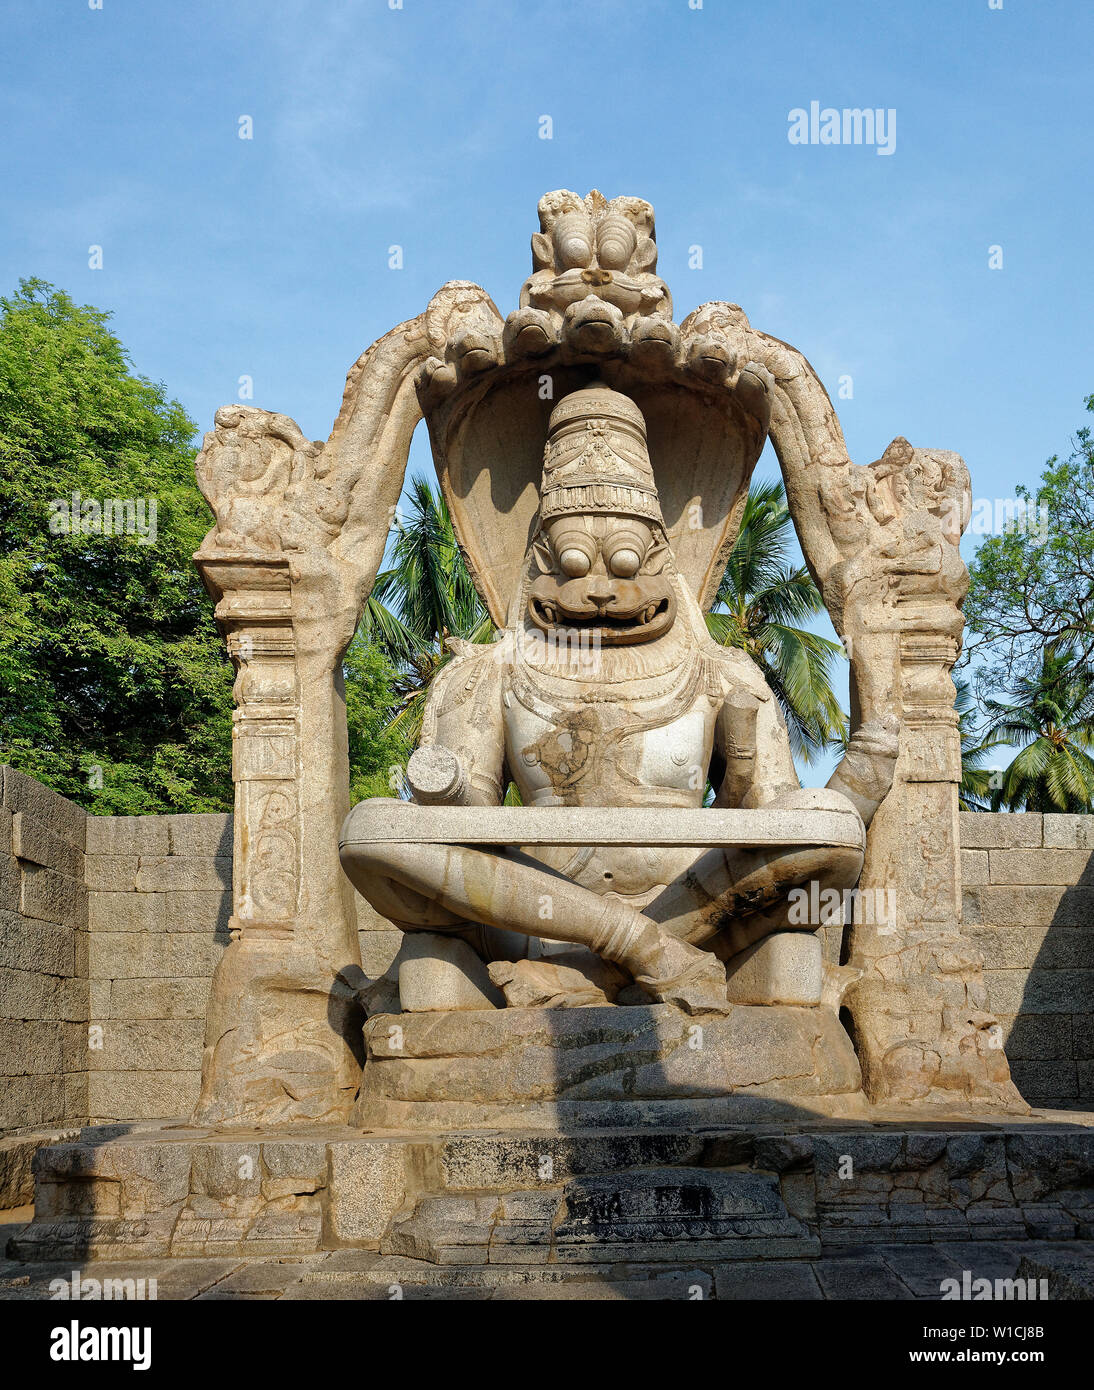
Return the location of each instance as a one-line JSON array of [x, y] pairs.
[[420, 126]]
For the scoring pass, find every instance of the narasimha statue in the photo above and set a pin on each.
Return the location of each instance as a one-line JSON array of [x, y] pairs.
[[606, 691]]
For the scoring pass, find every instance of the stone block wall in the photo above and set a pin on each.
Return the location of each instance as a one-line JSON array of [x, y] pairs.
[[159, 902], [1028, 885], [43, 957]]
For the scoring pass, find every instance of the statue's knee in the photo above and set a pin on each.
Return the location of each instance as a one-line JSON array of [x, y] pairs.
[[832, 866], [812, 799], [370, 837], [844, 868]]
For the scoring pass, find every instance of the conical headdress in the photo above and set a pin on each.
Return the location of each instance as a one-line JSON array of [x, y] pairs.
[[596, 459]]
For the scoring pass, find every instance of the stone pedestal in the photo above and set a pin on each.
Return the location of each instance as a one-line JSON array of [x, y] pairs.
[[643, 1064]]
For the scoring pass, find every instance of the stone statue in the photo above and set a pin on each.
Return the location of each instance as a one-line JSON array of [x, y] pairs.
[[604, 690], [595, 456]]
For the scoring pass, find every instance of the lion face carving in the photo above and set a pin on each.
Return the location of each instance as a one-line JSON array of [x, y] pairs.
[[607, 576], [593, 246]]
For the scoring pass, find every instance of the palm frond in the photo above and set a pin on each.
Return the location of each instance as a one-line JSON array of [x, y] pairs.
[[1049, 717], [761, 602]]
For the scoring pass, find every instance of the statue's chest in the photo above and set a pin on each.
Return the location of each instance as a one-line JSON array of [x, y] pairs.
[[601, 753]]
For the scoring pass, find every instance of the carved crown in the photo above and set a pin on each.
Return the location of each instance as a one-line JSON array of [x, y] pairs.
[[596, 458]]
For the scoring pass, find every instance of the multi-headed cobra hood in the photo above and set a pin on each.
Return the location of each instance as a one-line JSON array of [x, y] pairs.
[[677, 425]]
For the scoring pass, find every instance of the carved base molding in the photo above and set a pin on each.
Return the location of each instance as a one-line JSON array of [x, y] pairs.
[[489, 1209]]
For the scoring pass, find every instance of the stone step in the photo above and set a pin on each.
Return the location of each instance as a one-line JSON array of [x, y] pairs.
[[351, 1274], [644, 1215], [534, 1290], [503, 1162], [568, 1196]]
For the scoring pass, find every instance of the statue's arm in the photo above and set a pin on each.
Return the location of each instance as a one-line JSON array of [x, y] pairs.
[[461, 754], [752, 754], [752, 764]]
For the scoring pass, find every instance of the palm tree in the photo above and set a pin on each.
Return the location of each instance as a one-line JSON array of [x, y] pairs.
[[1052, 722], [423, 598], [762, 600], [974, 794]]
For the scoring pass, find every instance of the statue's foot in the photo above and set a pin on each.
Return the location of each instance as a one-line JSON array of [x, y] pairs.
[[547, 984], [693, 980]]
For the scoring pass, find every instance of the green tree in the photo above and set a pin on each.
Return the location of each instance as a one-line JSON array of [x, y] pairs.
[[378, 750], [1051, 720], [762, 601], [1032, 586], [114, 686]]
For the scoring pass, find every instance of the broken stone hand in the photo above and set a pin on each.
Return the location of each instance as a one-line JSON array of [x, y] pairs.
[[438, 777]]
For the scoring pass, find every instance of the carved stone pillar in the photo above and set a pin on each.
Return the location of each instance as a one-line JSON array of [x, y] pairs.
[[283, 1015], [300, 533], [921, 1022], [882, 542]]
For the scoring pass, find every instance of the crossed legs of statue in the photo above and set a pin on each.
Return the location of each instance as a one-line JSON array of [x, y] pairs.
[[727, 899]]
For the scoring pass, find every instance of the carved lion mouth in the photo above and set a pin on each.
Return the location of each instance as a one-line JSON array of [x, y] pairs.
[[612, 623], [613, 286]]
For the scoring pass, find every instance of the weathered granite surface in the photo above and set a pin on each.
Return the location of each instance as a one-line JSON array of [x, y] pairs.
[[771, 1191], [515, 1068], [882, 1272]]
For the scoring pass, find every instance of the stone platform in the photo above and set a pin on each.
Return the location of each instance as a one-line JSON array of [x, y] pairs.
[[597, 1067], [594, 1200]]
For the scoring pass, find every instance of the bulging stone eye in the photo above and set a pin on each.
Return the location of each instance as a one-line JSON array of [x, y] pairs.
[[573, 236], [574, 562], [625, 563], [616, 241]]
